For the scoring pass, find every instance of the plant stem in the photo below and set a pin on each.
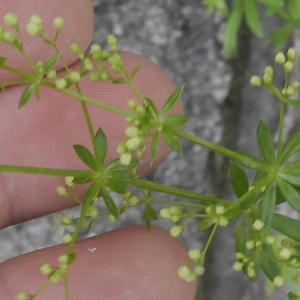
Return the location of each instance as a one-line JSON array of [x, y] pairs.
[[47, 171], [281, 126], [210, 239], [203, 199], [246, 160], [184, 205]]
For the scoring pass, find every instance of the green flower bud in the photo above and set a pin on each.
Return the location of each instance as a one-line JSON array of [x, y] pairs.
[[61, 191], [194, 254], [105, 54], [270, 239], [112, 218], [22, 296], [125, 159], [95, 48], [35, 19], [11, 20], [251, 272], [8, 37], [55, 277], [121, 148], [183, 272], [165, 213], [295, 85], [63, 259], [291, 54], [133, 144], [33, 29], [285, 254], [176, 230], [280, 58], [257, 244], [140, 110], [239, 255], [133, 201], [176, 218], [267, 79], [58, 23], [278, 281], [61, 83], [290, 91], [46, 269], [288, 66], [75, 48], [74, 76], [198, 270], [237, 266], [132, 132], [132, 104], [220, 209], [255, 81], [51, 74], [258, 225], [112, 42], [249, 244], [66, 221], [69, 181], [66, 239], [223, 221]]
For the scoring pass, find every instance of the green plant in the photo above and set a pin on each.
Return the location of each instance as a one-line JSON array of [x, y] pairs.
[[247, 10], [276, 177]]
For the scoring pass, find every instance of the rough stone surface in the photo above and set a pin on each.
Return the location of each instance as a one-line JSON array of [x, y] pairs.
[[186, 42]]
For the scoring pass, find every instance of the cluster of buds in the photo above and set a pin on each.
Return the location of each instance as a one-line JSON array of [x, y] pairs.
[[288, 63], [244, 262], [55, 273], [173, 213], [130, 199], [197, 260], [217, 214]]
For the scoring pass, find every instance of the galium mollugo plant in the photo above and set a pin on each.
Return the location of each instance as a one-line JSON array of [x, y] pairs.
[[277, 172]]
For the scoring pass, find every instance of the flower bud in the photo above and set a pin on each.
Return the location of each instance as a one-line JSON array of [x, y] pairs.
[[165, 213], [74, 76], [63, 259], [220, 209], [270, 239], [291, 54], [61, 191], [75, 48], [278, 281], [258, 225], [183, 272], [58, 23], [176, 230], [133, 201], [51, 74], [125, 159], [280, 58], [132, 132], [194, 254], [285, 254], [288, 66], [237, 266], [133, 144], [46, 269], [11, 20], [61, 83], [66, 239], [255, 81]]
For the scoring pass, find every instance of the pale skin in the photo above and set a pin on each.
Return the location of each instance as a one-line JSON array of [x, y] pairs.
[[129, 263]]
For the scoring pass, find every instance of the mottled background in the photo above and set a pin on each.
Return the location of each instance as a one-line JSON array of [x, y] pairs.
[[186, 42]]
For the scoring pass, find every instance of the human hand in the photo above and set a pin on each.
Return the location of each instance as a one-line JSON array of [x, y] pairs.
[[130, 263]]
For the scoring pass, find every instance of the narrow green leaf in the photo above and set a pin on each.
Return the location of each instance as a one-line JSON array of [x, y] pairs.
[[51, 63], [172, 101], [287, 226], [239, 180], [176, 120], [205, 224], [71, 258], [154, 145], [86, 156], [232, 26], [37, 89], [149, 214], [292, 179], [267, 207], [152, 106], [172, 140], [118, 81], [252, 18], [122, 176], [100, 148], [92, 192], [280, 36], [239, 236], [134, 73], [116, 186], [110, 204], [115, 165], [279, 197], [81, 180], [294, 103], [292, 168], [269, 266], [26, 96], [265, 143], [294, 10], [291, 195], [2, 61], [291, 146], [292, 296]]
